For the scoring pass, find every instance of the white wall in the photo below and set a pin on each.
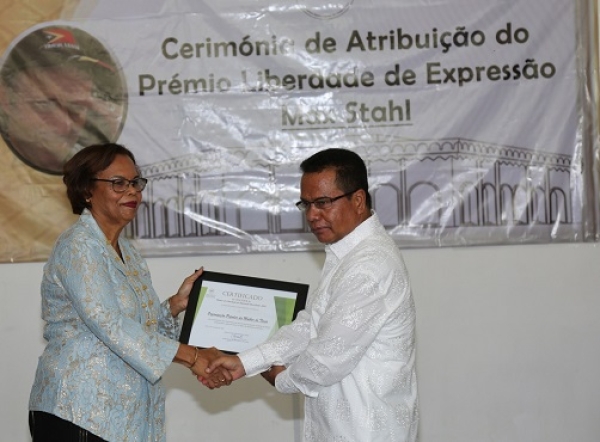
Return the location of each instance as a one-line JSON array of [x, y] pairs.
[[508, 346]]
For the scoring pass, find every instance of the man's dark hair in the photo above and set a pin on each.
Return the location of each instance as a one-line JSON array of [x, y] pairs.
[[350, 169], [83, 167]]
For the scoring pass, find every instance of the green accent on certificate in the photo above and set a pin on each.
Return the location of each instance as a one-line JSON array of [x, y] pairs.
[[234, 313]]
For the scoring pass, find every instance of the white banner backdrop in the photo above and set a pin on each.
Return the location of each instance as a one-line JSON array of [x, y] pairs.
[[474, 117]]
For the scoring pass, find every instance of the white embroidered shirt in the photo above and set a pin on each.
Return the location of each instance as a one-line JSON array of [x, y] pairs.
[[351, 352]]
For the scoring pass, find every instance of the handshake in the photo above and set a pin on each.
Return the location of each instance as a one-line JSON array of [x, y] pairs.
[[214, 369]]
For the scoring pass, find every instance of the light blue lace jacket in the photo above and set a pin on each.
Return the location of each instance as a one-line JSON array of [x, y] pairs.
[[109, 338]]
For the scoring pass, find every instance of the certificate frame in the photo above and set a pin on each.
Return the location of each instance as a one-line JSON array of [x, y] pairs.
[[236, 313]]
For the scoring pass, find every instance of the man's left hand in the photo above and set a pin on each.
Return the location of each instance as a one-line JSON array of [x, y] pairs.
[[272, 373]]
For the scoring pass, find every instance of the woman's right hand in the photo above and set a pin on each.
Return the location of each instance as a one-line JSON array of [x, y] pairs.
[[198, 359]]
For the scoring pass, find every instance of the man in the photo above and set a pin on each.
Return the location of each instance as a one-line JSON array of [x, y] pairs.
[[48, 92], [351, 352]]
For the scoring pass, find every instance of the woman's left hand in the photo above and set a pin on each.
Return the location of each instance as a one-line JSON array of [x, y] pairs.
[[179, 301]]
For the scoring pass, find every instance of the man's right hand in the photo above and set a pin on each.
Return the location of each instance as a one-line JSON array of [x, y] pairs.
[[232, 364]]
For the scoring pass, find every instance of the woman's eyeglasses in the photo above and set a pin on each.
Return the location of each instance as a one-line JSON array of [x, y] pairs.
[[120, 185]]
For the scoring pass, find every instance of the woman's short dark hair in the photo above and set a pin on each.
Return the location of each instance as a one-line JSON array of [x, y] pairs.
[[84, 166], [350, 169]]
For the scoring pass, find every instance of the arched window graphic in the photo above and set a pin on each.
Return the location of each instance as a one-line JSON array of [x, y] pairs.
[[507, 208], [490, 210], [538, 206], [469, 195], [521, 205], [173, 217], [211, 211], [291, 219], [425, 197], [190, 226], [159, 212], [389, 211], [558, 206], [452, 215], [254, 219], [142, 227]]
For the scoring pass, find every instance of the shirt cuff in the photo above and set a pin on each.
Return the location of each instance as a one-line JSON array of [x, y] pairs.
[[253, 361], [284, 384]]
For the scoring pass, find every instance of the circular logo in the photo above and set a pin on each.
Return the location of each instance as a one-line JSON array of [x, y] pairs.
[[61, 89]]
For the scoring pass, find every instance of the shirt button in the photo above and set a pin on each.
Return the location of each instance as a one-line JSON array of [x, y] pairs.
[[148, 322]]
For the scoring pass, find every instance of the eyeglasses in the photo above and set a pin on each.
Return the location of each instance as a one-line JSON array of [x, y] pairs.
[[120, 185], [322, 203]]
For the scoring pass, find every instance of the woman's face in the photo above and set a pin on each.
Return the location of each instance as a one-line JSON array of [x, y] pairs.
[[114, 210]]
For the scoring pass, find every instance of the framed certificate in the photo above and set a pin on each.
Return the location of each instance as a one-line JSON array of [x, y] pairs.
[[235, 313]]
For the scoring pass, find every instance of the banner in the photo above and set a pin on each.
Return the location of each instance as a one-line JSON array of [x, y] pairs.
[[476, 119]]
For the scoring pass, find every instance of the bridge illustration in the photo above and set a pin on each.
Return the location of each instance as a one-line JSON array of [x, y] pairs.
[[418, 186]]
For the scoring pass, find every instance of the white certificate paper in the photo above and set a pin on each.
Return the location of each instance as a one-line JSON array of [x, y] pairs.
[[235, 313]]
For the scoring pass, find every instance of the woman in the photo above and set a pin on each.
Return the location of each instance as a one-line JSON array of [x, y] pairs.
[[109, 338]]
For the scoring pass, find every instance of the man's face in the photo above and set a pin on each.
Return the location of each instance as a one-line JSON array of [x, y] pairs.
[[345, 214], [47, 110]]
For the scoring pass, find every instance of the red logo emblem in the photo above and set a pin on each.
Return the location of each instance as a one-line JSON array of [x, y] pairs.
[[60, 36]]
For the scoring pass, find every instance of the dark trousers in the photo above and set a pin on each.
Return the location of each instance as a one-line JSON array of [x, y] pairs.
[[45, 427]]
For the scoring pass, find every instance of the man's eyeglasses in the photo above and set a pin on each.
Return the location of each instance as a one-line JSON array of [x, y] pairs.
[[120, 185], [322, 203]]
